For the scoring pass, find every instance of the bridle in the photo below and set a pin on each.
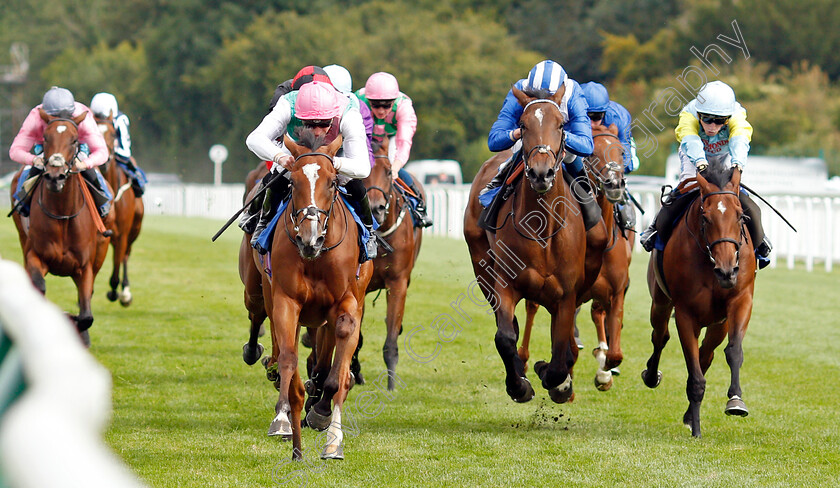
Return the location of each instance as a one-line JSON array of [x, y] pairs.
[[707, 246], [68, 170], [544, 148], [312, 212], [390, 194], [601, 175]]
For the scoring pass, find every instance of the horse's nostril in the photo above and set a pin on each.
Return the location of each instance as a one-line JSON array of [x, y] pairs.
[[298, 240], [319, 241], [550, 173]]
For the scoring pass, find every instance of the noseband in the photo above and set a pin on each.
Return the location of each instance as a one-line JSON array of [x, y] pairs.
[[709, 245], [387, 194], [311, 212]]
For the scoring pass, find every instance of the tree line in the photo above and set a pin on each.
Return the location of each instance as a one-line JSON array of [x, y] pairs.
[[194, 73]]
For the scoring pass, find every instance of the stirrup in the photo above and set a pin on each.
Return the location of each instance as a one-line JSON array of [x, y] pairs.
[[648, 238]]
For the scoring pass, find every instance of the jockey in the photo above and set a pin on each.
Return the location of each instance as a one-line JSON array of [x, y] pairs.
[[724, 139], [59, 102], [393, 116], [343, 82], [318, 107], [604, 112], [506, 133], [104, 105]]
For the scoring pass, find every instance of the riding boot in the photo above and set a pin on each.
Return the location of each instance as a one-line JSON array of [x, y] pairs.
[[265, 217], [663, 221], [101, 196], [419, 211], [626, 216], [582, 191], [251, 215], [756, 229], [367, 219], [501, 174], [24, 194]]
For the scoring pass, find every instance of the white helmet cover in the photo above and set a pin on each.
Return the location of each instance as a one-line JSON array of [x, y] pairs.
[[104, 104], [716, 98]]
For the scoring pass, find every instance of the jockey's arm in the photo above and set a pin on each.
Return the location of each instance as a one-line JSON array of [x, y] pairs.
[[624, 123], [123, 146], [90, 135], [501, 133], [261, 140], [355, 163], [406, 127], [740, 135], [578, 128], [688, 136], [30, 133]]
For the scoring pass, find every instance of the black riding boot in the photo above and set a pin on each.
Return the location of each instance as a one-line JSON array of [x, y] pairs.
[[420, 210], [23, 207], [501, 174], [274, 194], [664, 220], [760, 241], [100, 198]]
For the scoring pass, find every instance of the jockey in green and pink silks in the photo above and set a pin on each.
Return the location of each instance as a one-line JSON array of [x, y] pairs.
[[394, 117]]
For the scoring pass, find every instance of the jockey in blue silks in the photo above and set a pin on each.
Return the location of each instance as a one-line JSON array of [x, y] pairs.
[[605, 112], [506, 133]]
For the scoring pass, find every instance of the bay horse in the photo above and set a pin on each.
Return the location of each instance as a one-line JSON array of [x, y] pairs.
[[605, 172], [539, 250], [392, 270], [60, 236], [128, 213], [249, 274], [315, 280], [707, 278]]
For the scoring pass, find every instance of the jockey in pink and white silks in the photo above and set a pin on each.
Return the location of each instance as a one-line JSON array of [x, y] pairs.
[[320, 108], [394, 117], [27, 146], [713, 129]]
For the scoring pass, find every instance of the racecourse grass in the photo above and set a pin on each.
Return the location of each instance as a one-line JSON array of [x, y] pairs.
[[189, 413]]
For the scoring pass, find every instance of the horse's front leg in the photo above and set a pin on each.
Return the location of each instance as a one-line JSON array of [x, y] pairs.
[[556, 375], [695, 388], [118, 244], [524, 352], [36, 269], [739, 317], [84, 287], [284, 323], [660, 313], [397, 290], [603, 376], [346, 328], [507, 333]]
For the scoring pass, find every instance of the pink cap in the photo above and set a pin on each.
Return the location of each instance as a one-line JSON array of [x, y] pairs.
[[317, 100], [382, 86]]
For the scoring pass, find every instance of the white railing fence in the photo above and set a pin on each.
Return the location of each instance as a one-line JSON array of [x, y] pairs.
[[817, 218]]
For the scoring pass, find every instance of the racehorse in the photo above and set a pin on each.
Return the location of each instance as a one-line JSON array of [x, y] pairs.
[[706, 277], [61, 236], [249, 273], [316, 281], [604, 170], [392, 270], [539, 249], [128, 213]]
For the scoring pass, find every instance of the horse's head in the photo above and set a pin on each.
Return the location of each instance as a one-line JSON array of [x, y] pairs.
[[61, 146], [606, 165], [380, 180], [722, 221], [314, 191], [543, 137]]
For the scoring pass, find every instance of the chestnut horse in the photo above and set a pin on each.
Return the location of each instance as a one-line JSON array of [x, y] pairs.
[[128, 213], [605, 171], [60, 236], [392, 270], [314, 279], [707, 279], [539, 250]]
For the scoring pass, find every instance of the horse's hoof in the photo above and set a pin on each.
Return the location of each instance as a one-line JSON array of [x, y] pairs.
[[615, 371], [603, 386], [333, 452], [525, 395], [112, 296], [539, 368], [736, 406], [360, 380], [85, 337], [317, 421], [563, 392], [653, 384], [251, 356], [126, 298], [280, 427]]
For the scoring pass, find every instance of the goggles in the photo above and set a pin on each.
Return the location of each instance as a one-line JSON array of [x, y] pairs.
[[381, 103], [713, 119], [321, 124], [595, 116]]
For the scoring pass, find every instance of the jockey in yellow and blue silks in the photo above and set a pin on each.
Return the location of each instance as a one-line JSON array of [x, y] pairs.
[[505, 132], [713, 129], [605, 112]]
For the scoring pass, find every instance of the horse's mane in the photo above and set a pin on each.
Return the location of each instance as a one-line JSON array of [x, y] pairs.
[[539, 93], [376, 144], [718, 174], [308, 139]]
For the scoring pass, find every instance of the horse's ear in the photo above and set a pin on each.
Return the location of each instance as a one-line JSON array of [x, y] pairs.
[[735, 180], [80, 118], [44, 115], [520, 95], [335, 145], [703, 183], [293, 147], [558, 95], [613, 129]]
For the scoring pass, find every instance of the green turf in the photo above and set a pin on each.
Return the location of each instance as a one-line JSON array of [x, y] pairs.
[[188, 412]]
